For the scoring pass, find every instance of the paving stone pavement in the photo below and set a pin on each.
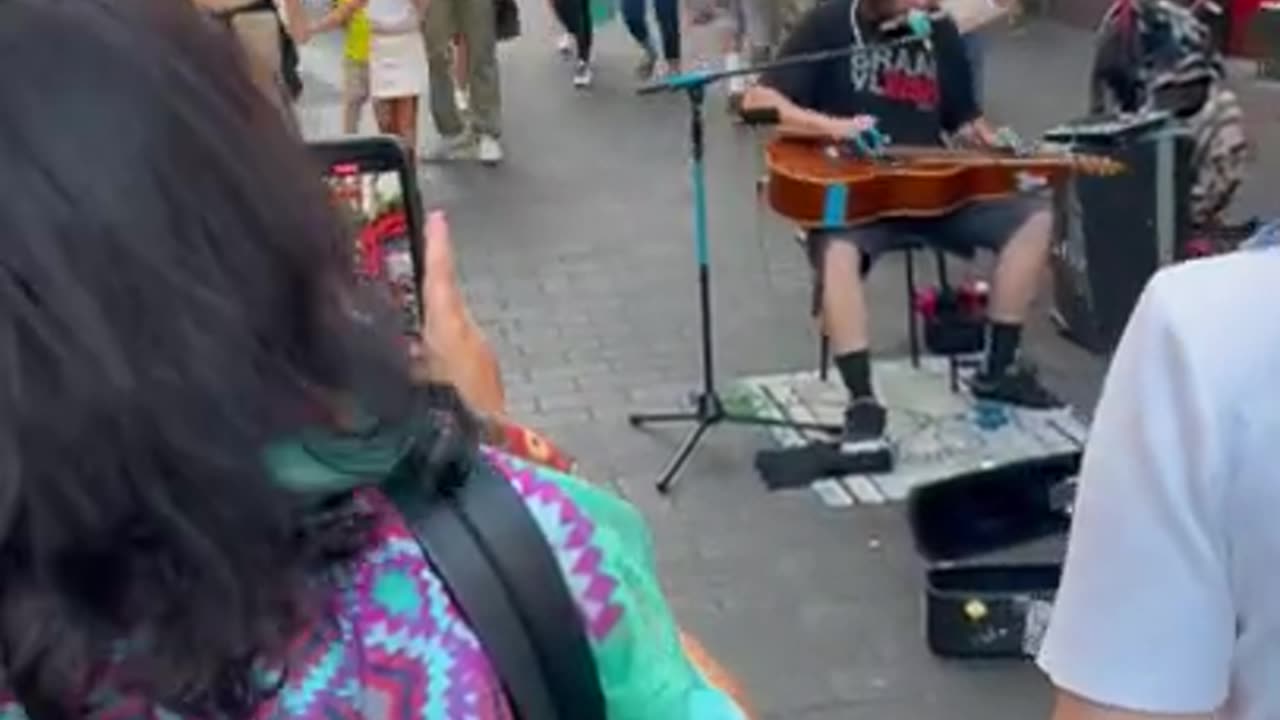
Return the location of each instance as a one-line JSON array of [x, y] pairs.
[[576, 259]]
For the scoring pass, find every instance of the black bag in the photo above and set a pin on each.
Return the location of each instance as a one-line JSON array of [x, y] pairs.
[[290, 65], [290, 62], [507, 17], [497, 564]]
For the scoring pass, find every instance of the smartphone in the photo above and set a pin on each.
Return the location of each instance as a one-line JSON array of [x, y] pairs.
[[373, 182]]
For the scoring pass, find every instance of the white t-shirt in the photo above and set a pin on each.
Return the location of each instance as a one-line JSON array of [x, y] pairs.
[[1170, 601]]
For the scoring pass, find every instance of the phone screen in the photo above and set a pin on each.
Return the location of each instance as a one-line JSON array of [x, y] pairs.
[[382, 225]]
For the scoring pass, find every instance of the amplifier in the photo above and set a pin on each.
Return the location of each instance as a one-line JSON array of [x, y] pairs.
[[1112, 233]]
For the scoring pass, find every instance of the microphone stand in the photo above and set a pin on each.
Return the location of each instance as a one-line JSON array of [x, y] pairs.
[[708, 406]]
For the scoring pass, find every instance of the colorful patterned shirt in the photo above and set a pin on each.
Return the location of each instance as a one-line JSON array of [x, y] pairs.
[[395, 646]]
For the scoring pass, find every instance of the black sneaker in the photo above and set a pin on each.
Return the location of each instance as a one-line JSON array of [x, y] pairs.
[[1018, 384], [864, 423]]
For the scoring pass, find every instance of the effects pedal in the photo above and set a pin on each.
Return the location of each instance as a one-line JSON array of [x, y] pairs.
[[954, 318]]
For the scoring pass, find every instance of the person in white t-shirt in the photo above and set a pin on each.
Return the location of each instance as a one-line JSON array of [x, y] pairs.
[[1170, 599]]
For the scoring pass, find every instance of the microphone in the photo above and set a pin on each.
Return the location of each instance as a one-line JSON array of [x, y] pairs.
[[916, 24]]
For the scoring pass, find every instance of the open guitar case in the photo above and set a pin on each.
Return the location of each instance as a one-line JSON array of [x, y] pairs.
[[994, 541]]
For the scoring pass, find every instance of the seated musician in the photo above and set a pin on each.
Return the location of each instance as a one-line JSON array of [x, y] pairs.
[[915, 93]]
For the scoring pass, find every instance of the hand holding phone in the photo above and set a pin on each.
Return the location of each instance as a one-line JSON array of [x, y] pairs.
[[374, 182], [454, 348]]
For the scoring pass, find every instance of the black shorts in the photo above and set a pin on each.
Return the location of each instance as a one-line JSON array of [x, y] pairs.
[[984, 225]]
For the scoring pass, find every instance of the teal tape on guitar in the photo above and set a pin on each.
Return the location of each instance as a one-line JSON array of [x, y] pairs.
[[834, 206]]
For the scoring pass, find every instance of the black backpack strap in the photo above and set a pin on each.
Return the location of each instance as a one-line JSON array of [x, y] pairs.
[[497, 564], [499, 519], [481, 594]]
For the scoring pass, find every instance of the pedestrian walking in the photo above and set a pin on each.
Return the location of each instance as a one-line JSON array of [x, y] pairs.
[[475, 21], [575, 17], [750, 37], [564, 40], [396, 63], [635, 14], [351, 17]]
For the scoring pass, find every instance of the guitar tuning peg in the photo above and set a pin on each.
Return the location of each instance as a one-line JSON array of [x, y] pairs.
[[875, 138], [871, 142]]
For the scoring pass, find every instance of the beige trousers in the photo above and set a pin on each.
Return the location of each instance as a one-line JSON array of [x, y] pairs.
[[475, 21]]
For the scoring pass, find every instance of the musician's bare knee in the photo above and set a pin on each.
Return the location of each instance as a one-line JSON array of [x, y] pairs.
[[841, 259], [1037, 230], [1020, 267]]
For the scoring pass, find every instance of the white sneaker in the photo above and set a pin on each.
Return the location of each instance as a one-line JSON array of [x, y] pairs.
[[565, 45], [462, 99], [648, 64], [489, 150], [454, 147], [582, 75]]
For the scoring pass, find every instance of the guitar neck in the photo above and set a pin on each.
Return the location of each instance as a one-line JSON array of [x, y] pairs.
[[1040, 158], [927, 152], [984, 157]]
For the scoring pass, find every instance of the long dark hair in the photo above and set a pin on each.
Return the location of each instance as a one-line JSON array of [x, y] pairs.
[[175, 295]]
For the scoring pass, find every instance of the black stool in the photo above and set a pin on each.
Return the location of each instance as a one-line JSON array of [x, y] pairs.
[[913, 318]]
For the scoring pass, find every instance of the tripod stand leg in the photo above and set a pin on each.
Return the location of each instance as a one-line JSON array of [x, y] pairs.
[[669, 474], [640, 419]]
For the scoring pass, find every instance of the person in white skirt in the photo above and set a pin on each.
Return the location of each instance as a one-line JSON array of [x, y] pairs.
[[397, 65]]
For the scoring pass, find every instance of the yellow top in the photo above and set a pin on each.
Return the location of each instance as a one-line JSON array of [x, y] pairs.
[[358, 32]]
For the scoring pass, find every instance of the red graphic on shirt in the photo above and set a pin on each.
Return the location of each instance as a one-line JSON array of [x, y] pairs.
[[904, 87], [907, 75]]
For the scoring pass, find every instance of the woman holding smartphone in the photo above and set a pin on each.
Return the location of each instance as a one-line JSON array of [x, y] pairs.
[[196, 442]]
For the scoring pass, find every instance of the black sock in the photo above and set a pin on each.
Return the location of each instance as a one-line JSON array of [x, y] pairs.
[[1002, 346], [855, 370]]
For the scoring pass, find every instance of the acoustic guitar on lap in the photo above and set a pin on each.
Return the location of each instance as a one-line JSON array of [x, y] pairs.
[[825, 184]]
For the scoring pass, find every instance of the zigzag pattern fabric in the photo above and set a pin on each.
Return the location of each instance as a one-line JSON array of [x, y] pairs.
[[394, 646]]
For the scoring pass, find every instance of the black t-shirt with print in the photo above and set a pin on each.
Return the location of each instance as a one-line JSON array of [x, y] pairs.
[[916, 95]]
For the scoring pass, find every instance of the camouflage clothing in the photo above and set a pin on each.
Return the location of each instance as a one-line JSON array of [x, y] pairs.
[[1154, 54]]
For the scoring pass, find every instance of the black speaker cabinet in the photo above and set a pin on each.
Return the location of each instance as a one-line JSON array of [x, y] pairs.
[[1113, 232]]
